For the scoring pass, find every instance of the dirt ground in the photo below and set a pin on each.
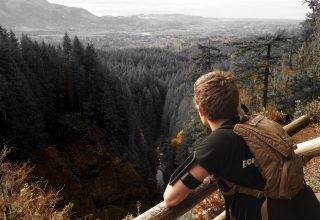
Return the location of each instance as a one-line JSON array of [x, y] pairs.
[[312, 168]]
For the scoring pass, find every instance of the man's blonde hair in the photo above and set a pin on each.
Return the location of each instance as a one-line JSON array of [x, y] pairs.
[[217, 93]]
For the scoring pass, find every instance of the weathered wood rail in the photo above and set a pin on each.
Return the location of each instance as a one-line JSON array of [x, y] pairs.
[[297, 125], [160, 212]]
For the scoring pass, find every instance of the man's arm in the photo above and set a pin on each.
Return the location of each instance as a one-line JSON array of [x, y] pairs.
[[173, 195]]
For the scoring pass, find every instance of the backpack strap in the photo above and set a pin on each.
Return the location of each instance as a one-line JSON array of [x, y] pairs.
[[253, 120], [234, 188], [256, 120]]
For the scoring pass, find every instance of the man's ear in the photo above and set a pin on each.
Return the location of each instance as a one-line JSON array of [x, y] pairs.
[[201, 111]]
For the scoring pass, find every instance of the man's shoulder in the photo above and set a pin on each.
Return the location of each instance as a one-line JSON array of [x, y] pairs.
[[221, 135], [215, 151], [219, 139]]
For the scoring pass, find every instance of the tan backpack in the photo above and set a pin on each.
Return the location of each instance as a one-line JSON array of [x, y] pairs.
[[273, 150]]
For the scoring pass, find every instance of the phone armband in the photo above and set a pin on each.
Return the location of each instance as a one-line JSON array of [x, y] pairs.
[[182, 169]]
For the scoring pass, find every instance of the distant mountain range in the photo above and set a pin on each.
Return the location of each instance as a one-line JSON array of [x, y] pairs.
[[40, 15]]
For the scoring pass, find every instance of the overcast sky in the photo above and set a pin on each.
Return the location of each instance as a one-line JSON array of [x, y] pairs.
[[291, 9]]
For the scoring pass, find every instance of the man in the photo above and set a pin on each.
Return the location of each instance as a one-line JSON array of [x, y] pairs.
[[225, 154]]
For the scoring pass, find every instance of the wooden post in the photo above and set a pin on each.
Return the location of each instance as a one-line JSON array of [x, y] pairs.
[[160, 212], [309, 148], [297, 125]]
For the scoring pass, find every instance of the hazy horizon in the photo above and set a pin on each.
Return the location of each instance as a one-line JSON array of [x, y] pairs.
[[260, 9]]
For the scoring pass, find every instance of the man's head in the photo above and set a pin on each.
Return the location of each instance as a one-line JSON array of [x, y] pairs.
[[217, 95]]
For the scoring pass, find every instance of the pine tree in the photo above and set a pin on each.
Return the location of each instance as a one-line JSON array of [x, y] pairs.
[[259, 57], [78, 72], [68, 74], [208, 57], [67, 48]]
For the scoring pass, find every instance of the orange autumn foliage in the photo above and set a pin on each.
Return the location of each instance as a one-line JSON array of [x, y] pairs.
[[210, 207], [177, 140]]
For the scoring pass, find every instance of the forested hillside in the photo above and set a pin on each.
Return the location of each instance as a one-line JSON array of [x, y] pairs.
[[73, 92], [76, 94]]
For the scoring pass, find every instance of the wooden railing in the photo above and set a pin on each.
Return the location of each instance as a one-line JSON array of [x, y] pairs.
[[160, 212]]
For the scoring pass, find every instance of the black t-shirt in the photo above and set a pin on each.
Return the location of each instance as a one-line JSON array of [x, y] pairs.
[[225, 154]]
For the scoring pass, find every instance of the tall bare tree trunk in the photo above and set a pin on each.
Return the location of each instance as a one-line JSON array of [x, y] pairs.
[[266, 78]]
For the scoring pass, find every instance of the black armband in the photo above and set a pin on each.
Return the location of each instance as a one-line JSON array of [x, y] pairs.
[[190, 181]]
